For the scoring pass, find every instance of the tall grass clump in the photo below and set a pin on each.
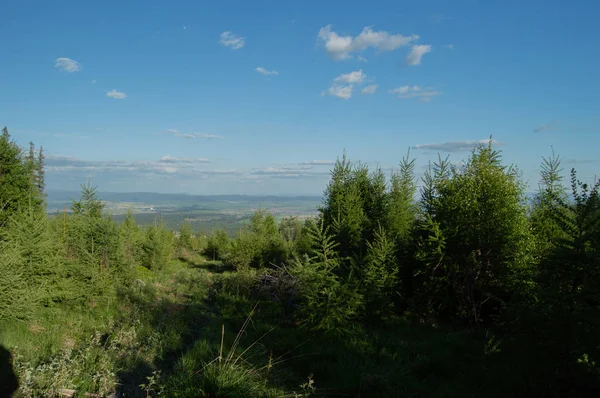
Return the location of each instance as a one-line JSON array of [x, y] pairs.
[[231, 372]]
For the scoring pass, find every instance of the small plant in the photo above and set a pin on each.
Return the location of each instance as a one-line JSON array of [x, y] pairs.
[[307, 388], [153, 384]]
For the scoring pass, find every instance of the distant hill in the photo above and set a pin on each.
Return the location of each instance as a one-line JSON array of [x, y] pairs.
[[204, 212]]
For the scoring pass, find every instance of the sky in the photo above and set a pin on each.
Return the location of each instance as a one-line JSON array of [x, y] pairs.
[[238, 97]]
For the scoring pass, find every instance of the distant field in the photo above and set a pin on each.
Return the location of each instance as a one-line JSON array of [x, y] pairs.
[[204, 212]]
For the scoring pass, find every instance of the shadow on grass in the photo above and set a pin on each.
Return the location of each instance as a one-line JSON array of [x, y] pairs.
[[398, 359], [8, 379], [178, 326], [214, 266]]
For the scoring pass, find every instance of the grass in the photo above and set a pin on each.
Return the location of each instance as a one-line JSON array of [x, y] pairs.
[[197, 328]]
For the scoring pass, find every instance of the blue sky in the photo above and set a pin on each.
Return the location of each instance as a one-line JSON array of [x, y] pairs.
[[260, 97]]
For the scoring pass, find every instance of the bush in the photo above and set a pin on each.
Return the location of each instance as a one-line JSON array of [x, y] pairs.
[[185, 240], [217, 245], [157, 247], [260, 244], [132, 240], [245, 250], [302, 244]]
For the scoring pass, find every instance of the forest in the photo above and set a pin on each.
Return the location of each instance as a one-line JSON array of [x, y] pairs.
[[454, 284]]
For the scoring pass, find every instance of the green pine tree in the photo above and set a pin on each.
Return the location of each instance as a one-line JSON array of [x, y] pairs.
[[16, 184]]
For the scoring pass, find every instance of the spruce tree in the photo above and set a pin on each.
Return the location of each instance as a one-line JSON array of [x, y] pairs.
[[479, 213], [379, 276], [16, 185], [132, 238], [88, 205], [402, 207], [569, 277], [40, 173], [330, 302], [550, 189]]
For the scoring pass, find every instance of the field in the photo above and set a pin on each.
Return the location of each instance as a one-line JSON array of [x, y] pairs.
[[203, 212]]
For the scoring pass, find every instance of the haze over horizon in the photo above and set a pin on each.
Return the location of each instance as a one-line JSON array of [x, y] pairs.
[[193, 98]]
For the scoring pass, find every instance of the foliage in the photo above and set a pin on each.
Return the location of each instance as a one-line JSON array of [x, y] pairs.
[[88, 205], [329, 303], [260, 244], [87, 368], [401, 210], [185, 239], [302, 243], [344, 210], [157, 247], [217, 245], [94, 246], [380, 275], [569, 277], [20, 178], [478, 212], [546, 231], [17, 298], [132, 237], [28, 233]]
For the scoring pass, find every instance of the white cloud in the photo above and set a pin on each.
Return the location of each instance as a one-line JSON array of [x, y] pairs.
[[93, 81], [173, 159], [266, 72], [68, 65], [351, 78], [455, 146], [344, 92], [343, 85], [370, 89], [303, 171], [424, 95], [69, 136], [416, 53], [165, 166], [228, 39], [449, 46], [177, 133], [362, 59], [405, 89], [319, 163], [342, 47], [115, 94], [207, 136]]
